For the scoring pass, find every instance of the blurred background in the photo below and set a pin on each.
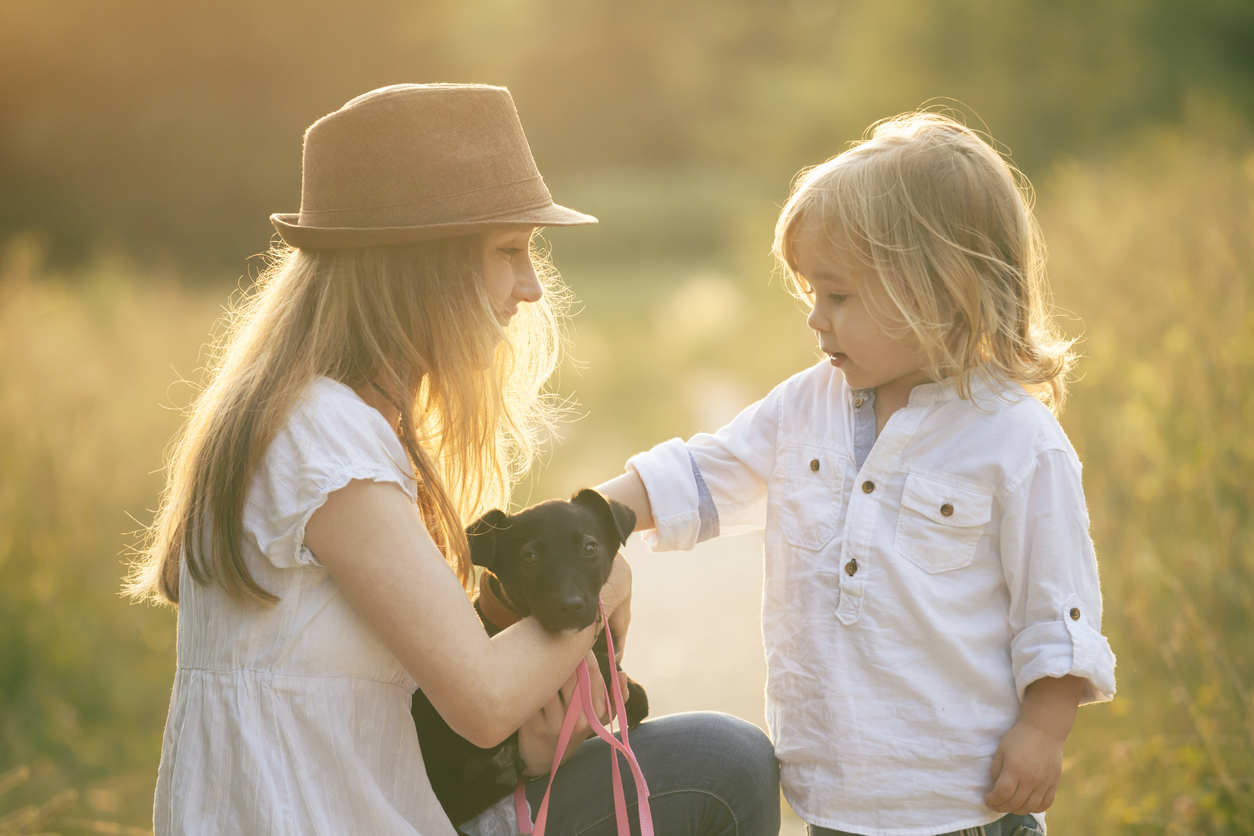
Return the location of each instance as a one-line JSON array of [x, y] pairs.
[[143, 145]]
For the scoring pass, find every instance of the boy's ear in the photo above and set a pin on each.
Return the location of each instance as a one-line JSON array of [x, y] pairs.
[[482, 537], [622, 519]]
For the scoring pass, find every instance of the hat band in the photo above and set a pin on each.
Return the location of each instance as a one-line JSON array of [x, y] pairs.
[[475, 205]]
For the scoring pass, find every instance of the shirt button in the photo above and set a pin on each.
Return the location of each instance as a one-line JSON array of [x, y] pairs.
[[868, 486], [851, 568], [1075, 613], [858, 402], [814, 465], [947, 510]]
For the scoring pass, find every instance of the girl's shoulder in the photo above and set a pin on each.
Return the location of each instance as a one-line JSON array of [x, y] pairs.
[[329, 401], [331, 427], [331, 437]]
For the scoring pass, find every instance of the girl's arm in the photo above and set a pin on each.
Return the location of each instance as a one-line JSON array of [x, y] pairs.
[[371, 539], [1028, 761]]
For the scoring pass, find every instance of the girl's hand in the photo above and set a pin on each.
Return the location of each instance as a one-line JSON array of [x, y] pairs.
[[1028, 761], [616, 594], [537, 738]]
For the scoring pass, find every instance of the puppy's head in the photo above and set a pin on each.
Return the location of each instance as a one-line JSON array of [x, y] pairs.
[[553, 558]]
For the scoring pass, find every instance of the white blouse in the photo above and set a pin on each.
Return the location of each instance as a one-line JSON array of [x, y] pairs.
[[294, 718], [916, 584]]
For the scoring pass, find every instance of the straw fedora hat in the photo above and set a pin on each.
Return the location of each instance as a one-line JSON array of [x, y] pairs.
[[412, 162]]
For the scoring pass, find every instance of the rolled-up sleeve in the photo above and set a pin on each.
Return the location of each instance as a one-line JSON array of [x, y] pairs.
[[730, 467], [668, 477], [1051, 571]]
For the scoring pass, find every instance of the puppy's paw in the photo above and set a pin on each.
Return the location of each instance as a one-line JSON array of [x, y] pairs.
[[637, 702]]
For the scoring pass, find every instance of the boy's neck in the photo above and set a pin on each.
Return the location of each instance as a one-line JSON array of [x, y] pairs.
[[893, 395]]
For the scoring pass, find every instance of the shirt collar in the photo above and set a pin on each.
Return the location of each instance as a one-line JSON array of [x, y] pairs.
[[926, 394], [983, 389]]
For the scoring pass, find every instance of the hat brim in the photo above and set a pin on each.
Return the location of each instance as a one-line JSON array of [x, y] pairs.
[[342, 237]]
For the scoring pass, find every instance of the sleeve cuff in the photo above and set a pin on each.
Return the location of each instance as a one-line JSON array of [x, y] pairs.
[[668, 478], [1068, 646], [706, 509]]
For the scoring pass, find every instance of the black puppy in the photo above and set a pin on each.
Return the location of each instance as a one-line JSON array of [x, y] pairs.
[[549, 561]]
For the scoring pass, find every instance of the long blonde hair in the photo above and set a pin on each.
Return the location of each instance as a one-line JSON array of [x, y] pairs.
[[414, 323], [947, 224]]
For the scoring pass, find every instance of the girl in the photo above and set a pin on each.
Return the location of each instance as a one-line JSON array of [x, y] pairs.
[[380, 388], [931, 612]]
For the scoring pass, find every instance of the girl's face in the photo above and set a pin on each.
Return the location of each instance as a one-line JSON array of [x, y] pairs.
[[857, 344], [508, 274]]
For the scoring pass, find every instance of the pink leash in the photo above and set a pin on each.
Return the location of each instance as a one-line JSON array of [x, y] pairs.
[[582, 701]]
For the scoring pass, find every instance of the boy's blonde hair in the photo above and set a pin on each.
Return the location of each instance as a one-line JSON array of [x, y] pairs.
[[946, 222], [413, 322]]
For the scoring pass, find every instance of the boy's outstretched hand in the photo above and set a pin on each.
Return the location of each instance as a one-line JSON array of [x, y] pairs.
[[1028, 760]]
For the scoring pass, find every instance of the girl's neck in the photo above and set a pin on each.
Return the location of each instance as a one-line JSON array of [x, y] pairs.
[[373, 397]]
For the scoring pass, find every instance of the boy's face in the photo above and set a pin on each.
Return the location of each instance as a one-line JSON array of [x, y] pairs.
[[857, 344]]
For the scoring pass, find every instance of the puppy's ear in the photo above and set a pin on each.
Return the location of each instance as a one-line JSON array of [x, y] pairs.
[[482, 537], [621, 518]]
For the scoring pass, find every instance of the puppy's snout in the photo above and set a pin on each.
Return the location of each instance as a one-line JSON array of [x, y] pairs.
[[571, 604]]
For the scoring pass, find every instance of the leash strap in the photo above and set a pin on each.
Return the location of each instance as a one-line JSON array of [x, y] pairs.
[[582, 702]]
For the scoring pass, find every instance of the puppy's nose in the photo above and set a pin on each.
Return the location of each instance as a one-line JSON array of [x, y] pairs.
[[571, 604]]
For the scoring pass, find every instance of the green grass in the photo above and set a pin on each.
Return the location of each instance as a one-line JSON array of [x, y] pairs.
[[84, 676], [1155, 253], [1151, 251]]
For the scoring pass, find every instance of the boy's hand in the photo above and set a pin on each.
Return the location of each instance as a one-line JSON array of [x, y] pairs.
[[1026, 767], [1028, 761]]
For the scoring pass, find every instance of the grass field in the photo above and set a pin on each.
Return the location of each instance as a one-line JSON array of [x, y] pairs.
[[1151, 255]]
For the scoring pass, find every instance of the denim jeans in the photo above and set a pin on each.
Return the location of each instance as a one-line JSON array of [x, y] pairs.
[[1010, 825], [709, 774]]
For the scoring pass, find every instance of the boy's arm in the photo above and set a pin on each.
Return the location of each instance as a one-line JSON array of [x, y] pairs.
[[1059, 657], [1028, 761], [629, 490], [690, 491], [1050, 567]]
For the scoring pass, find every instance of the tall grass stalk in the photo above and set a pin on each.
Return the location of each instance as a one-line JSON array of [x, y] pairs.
[[86, 363], [1155, 253]]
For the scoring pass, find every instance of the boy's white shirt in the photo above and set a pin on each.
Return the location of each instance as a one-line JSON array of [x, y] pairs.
[[890, 688]]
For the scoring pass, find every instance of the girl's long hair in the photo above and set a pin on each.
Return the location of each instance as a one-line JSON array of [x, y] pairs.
[[415, 324], [947, 224]]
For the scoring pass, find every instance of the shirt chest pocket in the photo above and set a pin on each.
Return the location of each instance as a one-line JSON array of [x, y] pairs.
[[940, 525], [814, 477]]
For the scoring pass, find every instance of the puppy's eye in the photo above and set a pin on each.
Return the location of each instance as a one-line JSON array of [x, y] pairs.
[[589, 549], [530, 558]]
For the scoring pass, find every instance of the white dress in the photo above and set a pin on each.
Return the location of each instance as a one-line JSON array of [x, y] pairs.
[[294, 717]]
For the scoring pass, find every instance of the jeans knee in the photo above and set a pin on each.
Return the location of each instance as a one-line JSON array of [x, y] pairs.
[[752, 779], [746, 744]]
